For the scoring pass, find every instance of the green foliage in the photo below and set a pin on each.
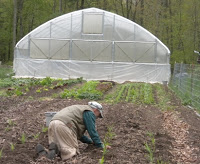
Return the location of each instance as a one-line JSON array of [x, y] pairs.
[[5, 72], [151, 149], [12, 146], [150, 153], [38, 91], [87, 91], [148, 94], [7, 82], [10, 122], [10, 125], [18, 92], [139, 93], [121, 91], [69, 82], [176, 22], [1, 153], [46, 81], [108, 137], [23, 138], [7, 129], [19, 87], [163, 97], [36, 136], [44, 129]]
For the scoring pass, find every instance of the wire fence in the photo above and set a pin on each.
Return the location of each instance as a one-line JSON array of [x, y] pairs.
[[185, 82]]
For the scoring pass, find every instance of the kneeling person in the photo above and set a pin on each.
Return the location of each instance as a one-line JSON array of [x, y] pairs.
[[69, 125]]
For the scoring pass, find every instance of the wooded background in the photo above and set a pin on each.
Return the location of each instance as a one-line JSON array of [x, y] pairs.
[[175, 22]]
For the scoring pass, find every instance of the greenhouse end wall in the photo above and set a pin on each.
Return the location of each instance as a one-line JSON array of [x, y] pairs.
[[93, 44]]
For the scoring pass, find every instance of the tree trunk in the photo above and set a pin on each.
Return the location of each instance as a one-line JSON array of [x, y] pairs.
[[14, 23], [104, 4], [128, 8], [82, 4], [122, 7], [60, 6], [65, 6], [77, 4], [54, 6], [171, 27], [142, 13], [21, 34]]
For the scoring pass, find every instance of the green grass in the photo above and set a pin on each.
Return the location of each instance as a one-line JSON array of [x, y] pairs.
[[163, 98], [5, 71]]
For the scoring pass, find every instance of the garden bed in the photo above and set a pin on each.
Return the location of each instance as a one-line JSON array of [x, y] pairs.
[[141, 126]]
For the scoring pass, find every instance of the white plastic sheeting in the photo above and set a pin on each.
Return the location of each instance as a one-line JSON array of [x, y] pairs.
[[93, 44]]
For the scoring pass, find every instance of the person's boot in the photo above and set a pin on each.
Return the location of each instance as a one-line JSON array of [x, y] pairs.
[[40, 150], [53, 151]]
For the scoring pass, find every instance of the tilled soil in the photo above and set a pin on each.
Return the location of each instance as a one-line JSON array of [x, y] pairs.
[[176, 132]]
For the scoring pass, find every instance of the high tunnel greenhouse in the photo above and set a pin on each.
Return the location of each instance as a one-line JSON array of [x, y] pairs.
[[93, 44]]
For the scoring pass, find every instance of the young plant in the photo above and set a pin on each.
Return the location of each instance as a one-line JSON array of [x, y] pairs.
[[18, 92], [129, 92], [150, 148], [36, 136], [10, 125], [44, 129], [23, 138], [7, 129], [38, 91], [46, 81], [150, 153], [1, 153], [12, 146], [108, 136], [45, 89], [87, 91], [105, 143], [10, 122], [118, 98]]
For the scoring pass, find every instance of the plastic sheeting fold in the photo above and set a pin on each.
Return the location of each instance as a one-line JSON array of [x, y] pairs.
[[118, 71]]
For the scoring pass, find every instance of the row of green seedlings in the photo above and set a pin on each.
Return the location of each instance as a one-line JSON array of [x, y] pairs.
[[21, 86], [132, 92], [86, 91], [23, 138], [164, 98], [107, 139], [150, 148]]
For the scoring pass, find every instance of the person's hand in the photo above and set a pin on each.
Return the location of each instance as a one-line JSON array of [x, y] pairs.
[[108, 147], [105, 146]]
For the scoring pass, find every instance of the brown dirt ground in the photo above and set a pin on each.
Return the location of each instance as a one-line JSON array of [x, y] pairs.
[[177, 132]]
